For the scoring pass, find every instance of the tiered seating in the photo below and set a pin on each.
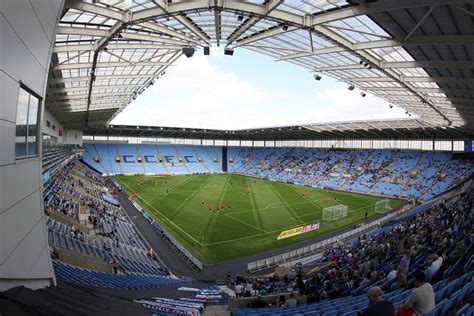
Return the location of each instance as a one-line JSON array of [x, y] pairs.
[[77, 186], [156, 159], [52, 156], [430, 165], [374, 171], [446, 297], [444, 229], [71, 274], [455, 171]]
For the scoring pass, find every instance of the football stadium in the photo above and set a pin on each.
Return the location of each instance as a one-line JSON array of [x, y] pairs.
[[224, 157]]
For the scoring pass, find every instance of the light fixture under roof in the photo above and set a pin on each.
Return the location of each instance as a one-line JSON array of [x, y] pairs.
[[188, 51], [351, 87]]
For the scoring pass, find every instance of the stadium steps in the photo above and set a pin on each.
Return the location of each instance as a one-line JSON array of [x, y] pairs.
[[102, 161], [448, 161], [115, 155], [202, 160], [162, 161], [182, 162], [420, 159], [211, 159], [139, 163], [92, 157]]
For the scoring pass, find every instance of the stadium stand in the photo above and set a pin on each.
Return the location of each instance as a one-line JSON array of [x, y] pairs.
[[409, 174], [436, 240], [74, 243], [152, 159], [97, 229]]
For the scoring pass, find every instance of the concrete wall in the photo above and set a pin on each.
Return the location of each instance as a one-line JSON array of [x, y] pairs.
[[73, 137], [27, 32], [69, 136], [53, 122]]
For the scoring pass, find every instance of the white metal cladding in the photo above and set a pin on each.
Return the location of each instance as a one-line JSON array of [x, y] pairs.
[[415, 54]]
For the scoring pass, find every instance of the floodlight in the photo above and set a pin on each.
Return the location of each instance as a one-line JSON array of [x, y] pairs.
[[317, 77], [362, 94], [390, 106], [207, 50], [228, 51], [285, 27], [240, 18], [351, 87], [188, 51]]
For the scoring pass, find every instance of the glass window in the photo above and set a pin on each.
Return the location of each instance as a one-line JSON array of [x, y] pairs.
[[21, 123], [33, 126], [26, 125]]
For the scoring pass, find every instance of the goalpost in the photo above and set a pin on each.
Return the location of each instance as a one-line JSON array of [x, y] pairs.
[[382, 206], [336, 212]]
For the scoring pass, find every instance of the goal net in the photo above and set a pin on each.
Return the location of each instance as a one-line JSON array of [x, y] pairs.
[[333, 213], [382, 206]]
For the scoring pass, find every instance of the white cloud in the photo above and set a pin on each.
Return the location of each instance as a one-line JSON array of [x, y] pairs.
[[345, 105], [196, 93]]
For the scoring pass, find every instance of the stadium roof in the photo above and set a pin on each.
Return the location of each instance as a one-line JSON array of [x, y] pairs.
[[374, 129], [415, 54]]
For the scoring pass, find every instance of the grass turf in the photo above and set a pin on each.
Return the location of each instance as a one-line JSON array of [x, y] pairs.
[[255, 213]]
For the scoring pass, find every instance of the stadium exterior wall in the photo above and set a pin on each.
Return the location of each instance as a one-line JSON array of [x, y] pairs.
[[26, 41]]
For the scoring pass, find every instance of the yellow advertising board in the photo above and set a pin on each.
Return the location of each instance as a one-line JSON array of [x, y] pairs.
[[298, 230]]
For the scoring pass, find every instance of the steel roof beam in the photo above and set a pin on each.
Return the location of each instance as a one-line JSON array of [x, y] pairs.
[[190, 26], [112, 46], [373, 8], [96, 87], [260, 36], [251, 21], [108, 64], [370, 58], [99, 77], [169, 31]]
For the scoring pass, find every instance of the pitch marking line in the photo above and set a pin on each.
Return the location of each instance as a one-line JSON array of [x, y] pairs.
[[166, 218], [354, 210], [238, 220]]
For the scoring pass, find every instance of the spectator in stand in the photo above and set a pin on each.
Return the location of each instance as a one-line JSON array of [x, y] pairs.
[[281, 301], [422, 299], [403, 267], [302, 299], [115, 265], [392, 274], [377, 304], [248, 289], [436, 263], [291, 302], [238, 290]]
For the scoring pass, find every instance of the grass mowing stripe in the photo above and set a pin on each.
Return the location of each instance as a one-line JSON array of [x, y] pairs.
[[189, 199], [285, 203], [230, 234], [164, 217], [256, 214], [212, 220]]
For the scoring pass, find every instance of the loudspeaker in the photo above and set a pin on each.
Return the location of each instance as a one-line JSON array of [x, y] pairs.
[[207, 50], [228, 51], [188, 51]]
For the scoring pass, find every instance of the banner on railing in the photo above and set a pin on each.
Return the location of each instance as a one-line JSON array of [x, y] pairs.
[[298, 230]]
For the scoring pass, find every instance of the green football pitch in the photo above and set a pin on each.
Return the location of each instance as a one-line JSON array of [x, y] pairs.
[[255, 211]]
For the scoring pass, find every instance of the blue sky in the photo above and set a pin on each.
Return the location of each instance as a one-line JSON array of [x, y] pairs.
[[247, 90]]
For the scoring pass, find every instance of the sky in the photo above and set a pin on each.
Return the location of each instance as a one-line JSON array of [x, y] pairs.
[[247, 90]]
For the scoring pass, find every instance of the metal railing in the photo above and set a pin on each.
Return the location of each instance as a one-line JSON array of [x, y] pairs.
[[314, 248]]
